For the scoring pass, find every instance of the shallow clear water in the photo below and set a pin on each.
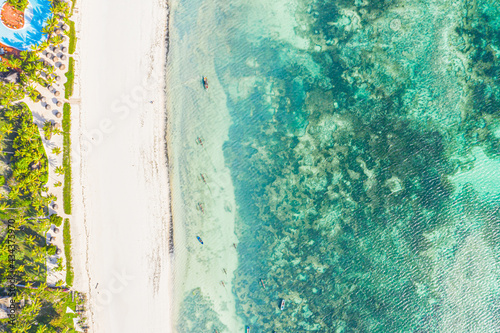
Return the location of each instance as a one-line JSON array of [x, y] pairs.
[[354, 147]]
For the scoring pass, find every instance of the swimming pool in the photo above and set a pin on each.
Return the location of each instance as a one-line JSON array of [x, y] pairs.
[[36, 14]]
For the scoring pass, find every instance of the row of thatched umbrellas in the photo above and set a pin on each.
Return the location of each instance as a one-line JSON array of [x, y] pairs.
[[54, 57]]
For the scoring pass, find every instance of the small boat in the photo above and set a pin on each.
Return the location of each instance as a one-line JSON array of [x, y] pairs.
[[199, 239], [205, 82], [199, 141], [248, 329], [262, 283], [203, 178], [282, 306], [200, 206]]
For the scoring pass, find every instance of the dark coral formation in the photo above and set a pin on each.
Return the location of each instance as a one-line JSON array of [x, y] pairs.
[[342, 155], [198, 315]]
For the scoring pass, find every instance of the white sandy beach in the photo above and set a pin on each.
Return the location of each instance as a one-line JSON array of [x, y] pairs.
[[121, 216]]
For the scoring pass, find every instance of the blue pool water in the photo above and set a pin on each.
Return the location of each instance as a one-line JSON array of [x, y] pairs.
[[361, 139], [36, 14]]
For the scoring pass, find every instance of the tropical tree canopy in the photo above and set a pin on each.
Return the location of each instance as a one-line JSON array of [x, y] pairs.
[[18, 4]]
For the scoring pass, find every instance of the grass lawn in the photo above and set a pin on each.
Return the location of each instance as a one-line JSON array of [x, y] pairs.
[[72, 37], [70, 75], [66, 124], [67, 251]]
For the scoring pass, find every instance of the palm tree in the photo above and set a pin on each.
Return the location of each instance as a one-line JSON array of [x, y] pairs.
[[24, 55], [32, 57], [21, 269], [59, 170], [3, 66], [3, 207], [30, 240], [38, 65], [60, 7], [8, 97], [42, 328], [56, 40], [15, 62], [7, 128], [50, 70], [32, 92], [56, 150], [14, 193]]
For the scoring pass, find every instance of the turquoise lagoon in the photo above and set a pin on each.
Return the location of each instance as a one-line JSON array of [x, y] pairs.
[[36, 14], [360, 139]]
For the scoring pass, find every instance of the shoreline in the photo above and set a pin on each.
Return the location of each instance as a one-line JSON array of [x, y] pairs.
[[198, 175], [121, 185]]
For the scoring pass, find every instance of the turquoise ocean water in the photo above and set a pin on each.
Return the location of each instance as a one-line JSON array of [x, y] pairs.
[[353, 148]]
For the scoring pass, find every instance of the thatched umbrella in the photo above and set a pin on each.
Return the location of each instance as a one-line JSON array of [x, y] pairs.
[[59, 103], [64, 49], [47, 107], [56, 230], [58, 126], [58, 114], [57, 93], [57, 31], [58, 78], [63, 57], [43, 99], [62, 67], [54, 206], [58, 251]]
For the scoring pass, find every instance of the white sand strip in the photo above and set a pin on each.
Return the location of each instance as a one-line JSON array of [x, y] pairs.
[[121, 192]]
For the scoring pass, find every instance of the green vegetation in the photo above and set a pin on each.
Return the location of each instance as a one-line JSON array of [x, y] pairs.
[[18, 4], [28, 165], [47, 129], [72, 37], [67, 251], [70, 75], [51, 250], [47, 308], [66, 125], [29, 70], [60, 7], [59, 170], [55, 219], [23, 175]]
